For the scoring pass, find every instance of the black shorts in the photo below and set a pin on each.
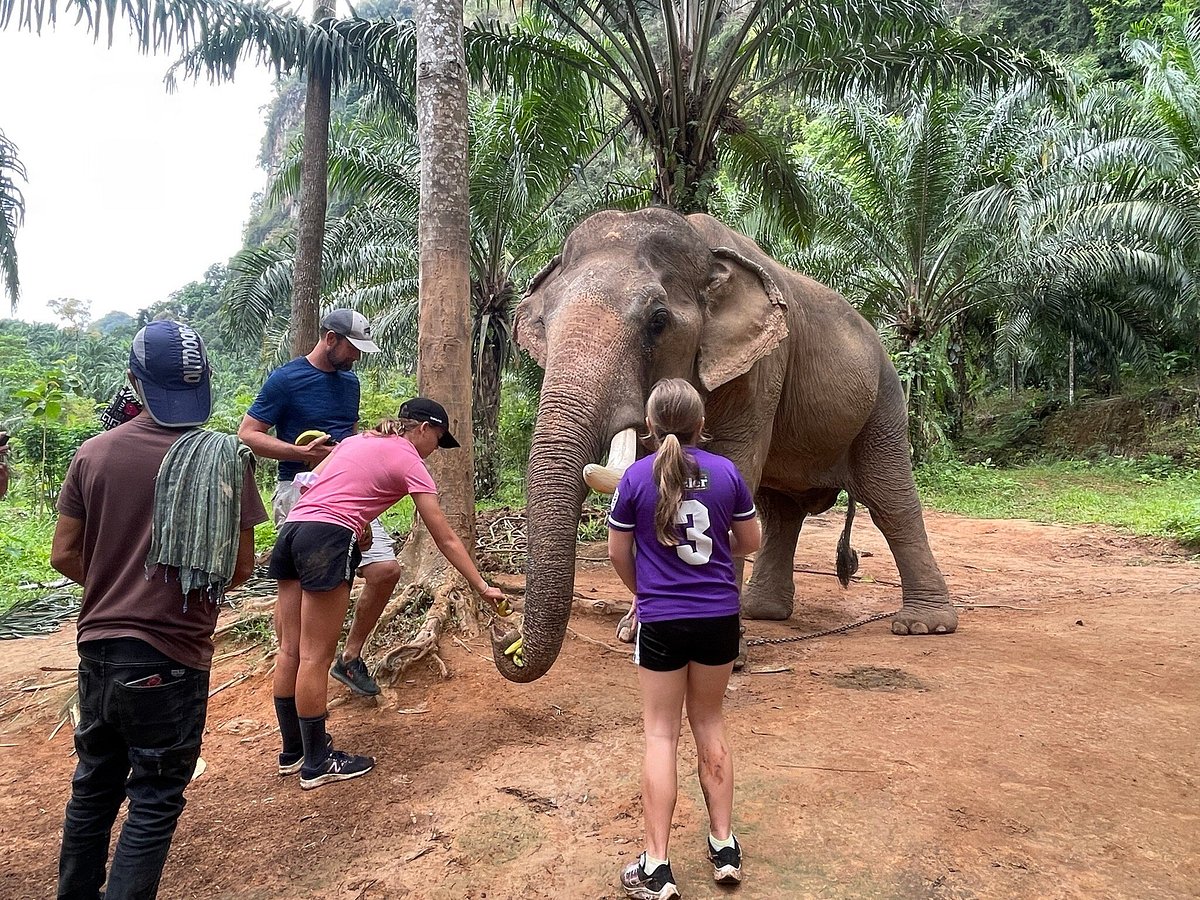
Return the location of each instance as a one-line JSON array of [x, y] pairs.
[[672, 644], [319, 555]]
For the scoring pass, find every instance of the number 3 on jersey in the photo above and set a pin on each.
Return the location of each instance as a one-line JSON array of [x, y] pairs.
[[694, 516]]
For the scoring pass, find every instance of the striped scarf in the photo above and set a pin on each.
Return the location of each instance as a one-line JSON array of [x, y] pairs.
[[197, 511]]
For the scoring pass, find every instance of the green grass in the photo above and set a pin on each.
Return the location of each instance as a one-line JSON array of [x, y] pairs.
[[24, 551], [1144, 497]]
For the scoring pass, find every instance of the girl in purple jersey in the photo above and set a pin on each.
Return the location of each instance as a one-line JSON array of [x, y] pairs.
[[688, 513]]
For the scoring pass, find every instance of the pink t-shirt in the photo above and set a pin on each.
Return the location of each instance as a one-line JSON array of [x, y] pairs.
[[365, 475]]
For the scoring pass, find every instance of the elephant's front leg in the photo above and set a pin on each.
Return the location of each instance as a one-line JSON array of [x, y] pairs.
[[771, 592]]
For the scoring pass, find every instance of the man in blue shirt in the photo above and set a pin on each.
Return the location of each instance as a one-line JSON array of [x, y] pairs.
[[319, 391]]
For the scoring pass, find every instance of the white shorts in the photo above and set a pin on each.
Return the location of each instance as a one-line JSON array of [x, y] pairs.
[[284, 498]]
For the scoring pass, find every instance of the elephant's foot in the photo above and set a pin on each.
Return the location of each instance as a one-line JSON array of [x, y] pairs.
[[925, 618], [766, 601]]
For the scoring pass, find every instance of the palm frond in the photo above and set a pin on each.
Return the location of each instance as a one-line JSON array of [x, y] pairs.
[[12, 216]]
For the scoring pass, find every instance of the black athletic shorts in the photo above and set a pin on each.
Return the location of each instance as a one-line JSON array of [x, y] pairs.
[[672, 644], [319, 555]]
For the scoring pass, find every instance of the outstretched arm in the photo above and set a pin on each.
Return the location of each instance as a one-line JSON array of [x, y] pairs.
[[452, 548]]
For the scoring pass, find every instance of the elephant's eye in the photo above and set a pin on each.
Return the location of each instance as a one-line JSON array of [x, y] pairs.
[[659, 321]]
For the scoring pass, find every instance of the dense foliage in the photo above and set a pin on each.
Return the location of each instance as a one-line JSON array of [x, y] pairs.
[[1009, 220]]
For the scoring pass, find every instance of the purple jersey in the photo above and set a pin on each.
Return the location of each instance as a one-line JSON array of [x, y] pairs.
[[694, 579]]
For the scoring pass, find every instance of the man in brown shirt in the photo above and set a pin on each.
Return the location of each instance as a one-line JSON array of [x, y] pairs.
[[145, 649]]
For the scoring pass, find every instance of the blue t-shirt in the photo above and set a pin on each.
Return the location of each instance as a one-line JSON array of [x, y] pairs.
[[298, 396], [694, 579]]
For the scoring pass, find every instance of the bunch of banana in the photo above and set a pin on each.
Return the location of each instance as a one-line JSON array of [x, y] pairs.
[[307, 437], [516, 651]]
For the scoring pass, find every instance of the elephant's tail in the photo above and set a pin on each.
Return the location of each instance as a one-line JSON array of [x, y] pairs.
[[847, 556]]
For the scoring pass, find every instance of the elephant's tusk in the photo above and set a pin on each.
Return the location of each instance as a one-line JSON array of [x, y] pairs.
[[621, 453]]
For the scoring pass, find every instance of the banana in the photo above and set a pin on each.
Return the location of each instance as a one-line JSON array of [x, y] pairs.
[[516, 651], [307, 437], [503, 610]]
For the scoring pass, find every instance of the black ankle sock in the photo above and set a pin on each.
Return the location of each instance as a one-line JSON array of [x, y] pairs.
[[312, 732], [289, 725]]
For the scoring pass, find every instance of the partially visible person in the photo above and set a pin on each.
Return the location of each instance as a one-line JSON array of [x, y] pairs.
[[3, 464], [315, 557], [320, 392], [688, 513], [123, 406], [156, 519]]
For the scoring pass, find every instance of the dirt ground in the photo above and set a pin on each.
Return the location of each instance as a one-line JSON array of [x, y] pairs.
[[1048, 749]]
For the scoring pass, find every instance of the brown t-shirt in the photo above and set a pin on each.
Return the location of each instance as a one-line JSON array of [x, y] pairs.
[[110, 486]]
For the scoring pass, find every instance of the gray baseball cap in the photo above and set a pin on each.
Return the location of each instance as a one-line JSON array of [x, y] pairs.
[[351, 325]]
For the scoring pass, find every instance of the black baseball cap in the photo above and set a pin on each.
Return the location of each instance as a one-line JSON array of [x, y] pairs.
[[422, 409]]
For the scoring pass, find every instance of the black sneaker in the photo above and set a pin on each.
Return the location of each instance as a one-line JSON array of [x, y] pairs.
[[355, 676], [726, 863], [659, 885], [290, 763], [338, 766]]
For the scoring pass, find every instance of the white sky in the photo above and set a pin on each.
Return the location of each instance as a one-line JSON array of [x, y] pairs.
[[132, 192]]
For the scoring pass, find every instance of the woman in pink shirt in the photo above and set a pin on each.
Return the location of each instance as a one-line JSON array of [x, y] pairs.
[[315, 556]]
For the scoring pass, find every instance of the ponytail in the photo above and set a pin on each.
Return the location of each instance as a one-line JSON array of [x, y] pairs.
[[394, 427], [673, 469], [675, 414]]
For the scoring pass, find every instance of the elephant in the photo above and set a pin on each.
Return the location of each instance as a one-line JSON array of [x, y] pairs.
[[799, 393]]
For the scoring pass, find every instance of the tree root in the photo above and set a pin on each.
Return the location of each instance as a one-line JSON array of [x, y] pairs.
[[451, 602]]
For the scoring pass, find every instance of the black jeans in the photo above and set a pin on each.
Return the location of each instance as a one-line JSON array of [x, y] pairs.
[[135, 741]]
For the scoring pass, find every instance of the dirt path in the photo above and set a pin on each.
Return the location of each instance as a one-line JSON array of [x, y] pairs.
[[1045, 751]]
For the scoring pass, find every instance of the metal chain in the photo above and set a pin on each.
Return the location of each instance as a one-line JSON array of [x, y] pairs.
[[757, 642]]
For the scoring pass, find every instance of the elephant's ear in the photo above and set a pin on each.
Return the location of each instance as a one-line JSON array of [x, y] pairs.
[[745, 317], [530, 315]]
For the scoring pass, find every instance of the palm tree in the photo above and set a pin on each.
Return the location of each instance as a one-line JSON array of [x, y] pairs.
[[214, 35], [1167, 50], [894, 233], [1109, 236], [685, 70], [1061, 224], [12, 215], [526, 147]]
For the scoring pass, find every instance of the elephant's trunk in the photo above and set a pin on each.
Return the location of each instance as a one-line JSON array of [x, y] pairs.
[[567, 438], [591, 391]]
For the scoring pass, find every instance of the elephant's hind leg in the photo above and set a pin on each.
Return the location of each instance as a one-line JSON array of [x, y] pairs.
[[770, 592]]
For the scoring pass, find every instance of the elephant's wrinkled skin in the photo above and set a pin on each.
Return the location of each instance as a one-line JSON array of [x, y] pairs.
[[798, 392]]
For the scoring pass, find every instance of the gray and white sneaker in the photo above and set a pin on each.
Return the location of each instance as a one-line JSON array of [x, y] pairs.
[[642, 885], [726, 862], [337, 766]]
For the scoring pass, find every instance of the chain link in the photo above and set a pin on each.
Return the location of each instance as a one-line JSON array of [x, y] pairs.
[[758, 642]]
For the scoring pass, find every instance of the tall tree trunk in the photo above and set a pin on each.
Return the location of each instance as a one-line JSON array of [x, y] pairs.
[[444, 341], [1071, 370], [314, 180], [487, 421], [958, 363]]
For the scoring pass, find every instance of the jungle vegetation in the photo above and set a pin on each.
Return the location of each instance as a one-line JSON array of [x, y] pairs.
[[1009, 190]]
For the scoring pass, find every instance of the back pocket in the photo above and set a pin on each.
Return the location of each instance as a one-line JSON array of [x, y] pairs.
[[152, 716]]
